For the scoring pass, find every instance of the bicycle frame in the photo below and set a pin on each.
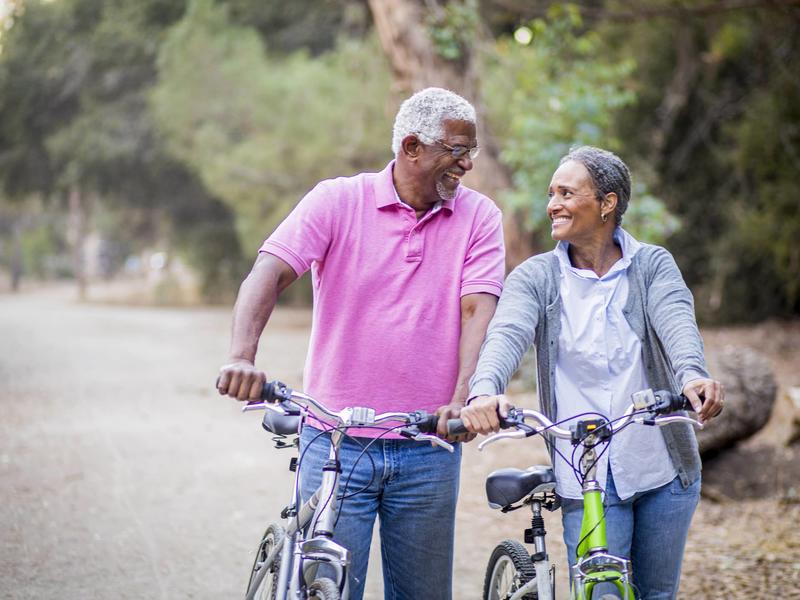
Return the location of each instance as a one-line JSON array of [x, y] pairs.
[[595, 565], [308, 542], [301, 555]]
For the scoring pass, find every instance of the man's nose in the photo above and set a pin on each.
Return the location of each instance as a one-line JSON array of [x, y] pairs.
[[465, 162]]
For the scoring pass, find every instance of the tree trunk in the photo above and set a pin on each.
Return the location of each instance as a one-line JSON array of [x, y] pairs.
[[16, 257], [750, 390], [78, 230], [402, 27]]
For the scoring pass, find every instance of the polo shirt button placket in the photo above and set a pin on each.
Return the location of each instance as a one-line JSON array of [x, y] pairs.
[[414, 252]]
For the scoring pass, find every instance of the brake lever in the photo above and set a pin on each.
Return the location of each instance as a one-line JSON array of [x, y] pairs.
[[260, 404], [515, 435], [661, 421], [425, 437]]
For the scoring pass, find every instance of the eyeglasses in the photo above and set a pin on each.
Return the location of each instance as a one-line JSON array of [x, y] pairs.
[[461, 151]]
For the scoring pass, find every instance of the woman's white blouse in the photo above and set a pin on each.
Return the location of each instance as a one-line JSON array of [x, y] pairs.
[[599, 366]]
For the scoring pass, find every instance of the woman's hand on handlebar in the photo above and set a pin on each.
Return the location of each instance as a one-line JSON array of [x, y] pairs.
[[241, 380], [451, 411], [481, 415], [707, 397]]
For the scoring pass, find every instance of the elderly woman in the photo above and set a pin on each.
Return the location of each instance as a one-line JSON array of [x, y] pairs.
[[608, 316]]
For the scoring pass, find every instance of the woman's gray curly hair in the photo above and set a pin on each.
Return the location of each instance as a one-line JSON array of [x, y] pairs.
[[608, 172], [423, 115]]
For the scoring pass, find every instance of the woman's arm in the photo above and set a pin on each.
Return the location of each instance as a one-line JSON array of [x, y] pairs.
[[511, 331], [670, 308]]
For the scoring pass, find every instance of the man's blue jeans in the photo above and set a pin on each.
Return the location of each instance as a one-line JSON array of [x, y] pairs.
[[651, 528], [412, 488]]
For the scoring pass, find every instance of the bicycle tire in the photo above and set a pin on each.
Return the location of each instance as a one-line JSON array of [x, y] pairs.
[[267, 582], [323, 589], [510, 567]]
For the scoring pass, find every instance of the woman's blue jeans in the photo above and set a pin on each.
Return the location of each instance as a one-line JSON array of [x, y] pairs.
[[650, 527], [412, 487]]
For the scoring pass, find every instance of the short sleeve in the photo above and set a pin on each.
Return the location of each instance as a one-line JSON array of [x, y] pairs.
[[484, 266], [305, 235]]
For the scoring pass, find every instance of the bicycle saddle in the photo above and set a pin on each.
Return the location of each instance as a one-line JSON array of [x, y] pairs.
[[280, 424], [506, 486]]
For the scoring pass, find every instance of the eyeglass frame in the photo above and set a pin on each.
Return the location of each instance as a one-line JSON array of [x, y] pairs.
[[454, 150]]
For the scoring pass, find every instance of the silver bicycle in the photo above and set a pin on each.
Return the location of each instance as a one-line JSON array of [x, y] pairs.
[[289, 556]]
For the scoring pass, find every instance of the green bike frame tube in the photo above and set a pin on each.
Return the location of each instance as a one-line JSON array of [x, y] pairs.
[[593, 537], [593, 526]]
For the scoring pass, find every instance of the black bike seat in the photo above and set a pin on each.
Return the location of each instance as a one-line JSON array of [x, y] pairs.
[[506, 486], [280, 424]]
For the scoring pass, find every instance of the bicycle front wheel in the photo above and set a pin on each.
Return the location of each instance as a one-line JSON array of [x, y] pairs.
[[263, 577], [323, 589], [510, 567]]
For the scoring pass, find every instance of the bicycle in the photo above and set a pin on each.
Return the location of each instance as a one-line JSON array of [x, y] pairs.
[[513, 573], [288, 558]]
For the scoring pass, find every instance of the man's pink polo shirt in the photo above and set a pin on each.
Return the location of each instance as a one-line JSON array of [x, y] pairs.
[[387, 289]]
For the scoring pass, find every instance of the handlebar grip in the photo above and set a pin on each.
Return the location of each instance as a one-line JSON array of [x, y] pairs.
[[276, 391], [668, 402], [428, 424], [456, 427], [681, 402]]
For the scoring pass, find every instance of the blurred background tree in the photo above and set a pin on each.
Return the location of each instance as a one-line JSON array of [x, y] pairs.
[[195, 125]]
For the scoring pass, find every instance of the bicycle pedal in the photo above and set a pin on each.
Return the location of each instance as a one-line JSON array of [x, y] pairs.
[[288, 512]]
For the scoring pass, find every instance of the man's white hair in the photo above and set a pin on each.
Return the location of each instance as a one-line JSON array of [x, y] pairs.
[[424, 113]]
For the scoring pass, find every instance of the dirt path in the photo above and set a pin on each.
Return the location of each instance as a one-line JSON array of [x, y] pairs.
[[123, 475]]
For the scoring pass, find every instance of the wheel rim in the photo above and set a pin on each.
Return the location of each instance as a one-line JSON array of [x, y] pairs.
[[266, 589], [505, 579]]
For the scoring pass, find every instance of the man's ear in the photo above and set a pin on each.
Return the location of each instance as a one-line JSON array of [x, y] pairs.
[[411, 147]]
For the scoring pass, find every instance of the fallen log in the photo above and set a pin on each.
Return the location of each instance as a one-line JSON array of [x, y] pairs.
[[750, 391]]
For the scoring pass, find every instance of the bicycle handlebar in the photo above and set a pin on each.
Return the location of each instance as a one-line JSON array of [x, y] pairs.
[[656, 404], [420, 425]]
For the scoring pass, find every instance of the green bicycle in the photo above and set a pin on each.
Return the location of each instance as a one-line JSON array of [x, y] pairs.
[[513, 573]]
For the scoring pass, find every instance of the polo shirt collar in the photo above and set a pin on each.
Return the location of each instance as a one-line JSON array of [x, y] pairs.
[[386, 194]]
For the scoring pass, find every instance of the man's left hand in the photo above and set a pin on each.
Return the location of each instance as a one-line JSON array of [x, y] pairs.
[[451, 411]]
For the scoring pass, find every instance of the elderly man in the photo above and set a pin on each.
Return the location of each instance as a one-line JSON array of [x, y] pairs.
[[407, 266]]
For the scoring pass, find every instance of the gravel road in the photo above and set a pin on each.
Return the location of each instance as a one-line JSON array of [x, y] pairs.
[[124, 475]]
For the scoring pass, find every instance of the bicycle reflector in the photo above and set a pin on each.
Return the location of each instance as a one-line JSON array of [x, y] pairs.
[[585, 428]]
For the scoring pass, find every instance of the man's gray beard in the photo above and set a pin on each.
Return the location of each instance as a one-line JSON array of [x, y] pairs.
[[444, 193]]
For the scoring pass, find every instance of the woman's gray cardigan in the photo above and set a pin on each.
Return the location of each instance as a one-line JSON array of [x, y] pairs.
[[659, 309]]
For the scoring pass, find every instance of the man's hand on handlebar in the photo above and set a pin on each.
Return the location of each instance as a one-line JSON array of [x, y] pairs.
[[707, 397], [451, 411], [241, 380], [481, 416]]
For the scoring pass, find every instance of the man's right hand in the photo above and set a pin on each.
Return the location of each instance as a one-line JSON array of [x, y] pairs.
[[241, 380], [481, 415]]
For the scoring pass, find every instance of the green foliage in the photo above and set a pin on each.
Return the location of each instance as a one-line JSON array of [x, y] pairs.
[[555, 93], [42, 246], [453, 29], [311, 25], [260, 130], [74, 80], [718, 118]]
